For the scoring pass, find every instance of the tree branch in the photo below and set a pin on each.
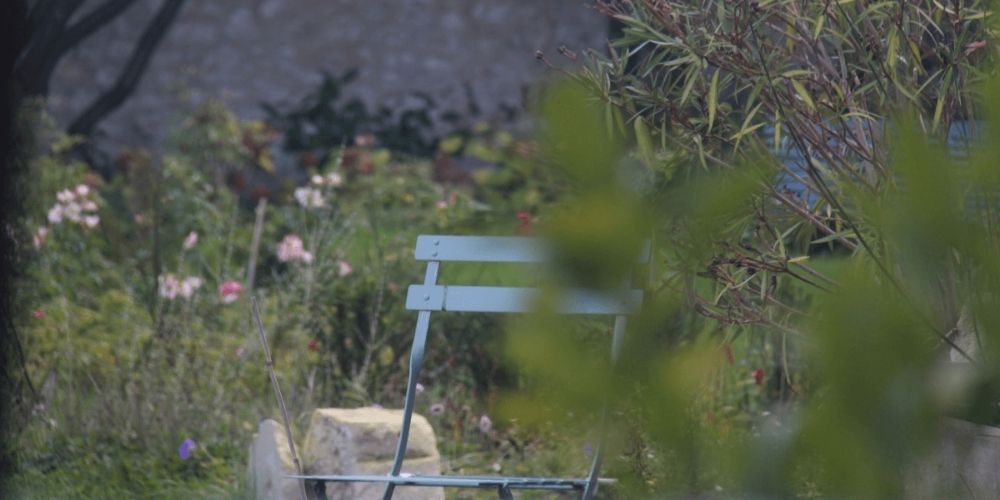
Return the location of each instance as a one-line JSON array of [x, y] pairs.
[[73, 35], [134, 68], [48, 22]]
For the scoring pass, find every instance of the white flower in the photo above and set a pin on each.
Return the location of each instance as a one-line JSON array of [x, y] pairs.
[[306, 257], [169, 286], [317, 180], [334, 179], [317, 199], [419, 387], [343, 268], [89, 206], [82, 190], [91, 221], [302, 195], [65, 196], [189, 285], [72, 211], [309, 197], [56, 214], [191, 240]]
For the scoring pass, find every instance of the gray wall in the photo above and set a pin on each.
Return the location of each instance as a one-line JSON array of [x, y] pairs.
[[251, 51]]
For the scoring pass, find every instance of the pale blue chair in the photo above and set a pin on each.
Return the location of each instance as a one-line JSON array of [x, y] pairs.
[[432, 297]]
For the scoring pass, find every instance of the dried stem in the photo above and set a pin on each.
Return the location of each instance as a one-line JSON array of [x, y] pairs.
[[277, 390], [258, 227]]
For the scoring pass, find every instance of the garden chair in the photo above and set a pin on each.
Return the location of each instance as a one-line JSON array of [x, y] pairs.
[[431, 297]]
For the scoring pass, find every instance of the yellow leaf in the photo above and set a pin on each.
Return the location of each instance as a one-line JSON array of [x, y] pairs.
[[713, 96], [801, 90]]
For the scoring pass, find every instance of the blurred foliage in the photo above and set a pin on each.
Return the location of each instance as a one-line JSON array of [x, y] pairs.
[[325, 121], [861, 360]]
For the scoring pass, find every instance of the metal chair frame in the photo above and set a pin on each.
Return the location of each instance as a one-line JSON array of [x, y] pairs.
[[431, 297]]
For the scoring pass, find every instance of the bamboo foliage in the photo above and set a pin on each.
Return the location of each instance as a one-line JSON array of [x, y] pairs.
[[805, 87]]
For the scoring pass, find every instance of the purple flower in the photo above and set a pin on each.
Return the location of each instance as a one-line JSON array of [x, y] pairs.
[[187, 448], [437, 409], [588, 450], [485, 424]]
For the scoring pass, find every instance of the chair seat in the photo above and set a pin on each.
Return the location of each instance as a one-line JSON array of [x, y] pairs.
[[534, 483]]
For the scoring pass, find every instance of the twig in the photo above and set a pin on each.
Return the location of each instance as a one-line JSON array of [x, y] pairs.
[[258, 227], [277, 391], [130, 75]]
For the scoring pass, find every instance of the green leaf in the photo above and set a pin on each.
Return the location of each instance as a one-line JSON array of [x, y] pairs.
[[644, 141], [713, 98], [450, 145]]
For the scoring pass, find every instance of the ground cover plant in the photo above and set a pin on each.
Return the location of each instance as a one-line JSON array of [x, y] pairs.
[[135, 294]]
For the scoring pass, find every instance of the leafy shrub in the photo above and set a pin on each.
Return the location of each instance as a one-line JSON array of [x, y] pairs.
[[136, 297]]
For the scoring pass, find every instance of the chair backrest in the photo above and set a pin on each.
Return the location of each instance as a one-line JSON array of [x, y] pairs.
[[430, 296]]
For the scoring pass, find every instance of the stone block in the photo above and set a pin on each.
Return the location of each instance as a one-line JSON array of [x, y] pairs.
[[363, 441], [270, 460], [965, 463]]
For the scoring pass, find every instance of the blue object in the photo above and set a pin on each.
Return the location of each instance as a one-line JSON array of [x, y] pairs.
[[430, 297]]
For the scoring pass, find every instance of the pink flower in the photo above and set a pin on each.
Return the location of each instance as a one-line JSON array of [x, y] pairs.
[[526, 226], [313, 345], [38, 239], [82, 190], [189, 285], [91, 221], [437, 409], [56, 214], [230, 291], [291, 248], [758, 376], [441, 204], [343, 268], [240, 352], [65, 196], [170, 287], [485, 424], [38, 314], [191, 240]]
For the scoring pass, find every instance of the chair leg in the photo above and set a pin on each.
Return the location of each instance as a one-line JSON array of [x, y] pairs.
[[416, 360], [616, 344], [595, 467], [319, 490], [503, 491]]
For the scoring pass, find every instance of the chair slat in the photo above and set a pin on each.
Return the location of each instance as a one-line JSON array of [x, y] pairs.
[[518, 300], [489, 249], [480, 248]]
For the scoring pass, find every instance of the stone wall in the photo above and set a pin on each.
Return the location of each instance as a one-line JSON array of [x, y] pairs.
[[251, 51]]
